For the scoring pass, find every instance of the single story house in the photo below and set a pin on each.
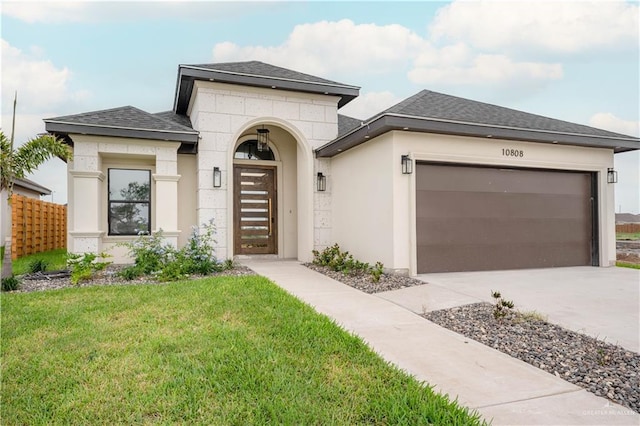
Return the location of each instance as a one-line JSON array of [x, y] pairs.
[[435, 183]]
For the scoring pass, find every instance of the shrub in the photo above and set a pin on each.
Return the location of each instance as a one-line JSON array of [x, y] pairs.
[[130, 273], [150, 252], [155, 257], [84, 266], [377, 271], [38, 265], [10, 283], [340, 261], [502, 307]]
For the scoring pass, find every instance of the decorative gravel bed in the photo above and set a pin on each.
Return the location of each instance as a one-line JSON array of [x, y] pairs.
[[364, 282], [604, 369], [39, 282]]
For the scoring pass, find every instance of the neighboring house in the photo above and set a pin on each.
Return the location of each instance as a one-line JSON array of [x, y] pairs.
[[25, 187], [434, 183]]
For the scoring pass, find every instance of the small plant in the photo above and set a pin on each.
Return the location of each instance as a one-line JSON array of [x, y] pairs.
[[502, 307], [339, 261], [130, 273], [153, 256], [84, 266], [10, 283], [603, 357], [38, 265], [377, 271], [228, 265]]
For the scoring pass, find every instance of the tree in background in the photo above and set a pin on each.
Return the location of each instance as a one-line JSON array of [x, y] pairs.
[[19, 162]]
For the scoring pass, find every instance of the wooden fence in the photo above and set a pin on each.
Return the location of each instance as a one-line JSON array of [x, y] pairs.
[[628, 228], [37, 226]]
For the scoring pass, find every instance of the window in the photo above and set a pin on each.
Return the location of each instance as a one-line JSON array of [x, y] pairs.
[[129, 201], [249, 151]]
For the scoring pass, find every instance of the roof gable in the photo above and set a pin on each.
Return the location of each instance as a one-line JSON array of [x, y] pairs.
[[432, 112], [257, 74]]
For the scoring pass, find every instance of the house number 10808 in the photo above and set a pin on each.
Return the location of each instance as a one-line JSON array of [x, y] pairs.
[[507, 152]]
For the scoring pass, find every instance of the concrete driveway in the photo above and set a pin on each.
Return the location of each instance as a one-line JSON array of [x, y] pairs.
[[600, 302]]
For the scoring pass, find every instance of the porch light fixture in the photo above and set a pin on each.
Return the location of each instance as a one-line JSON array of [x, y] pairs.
[[612, 176], [263, 139], [321, 182], [407, 165], [217, 177]]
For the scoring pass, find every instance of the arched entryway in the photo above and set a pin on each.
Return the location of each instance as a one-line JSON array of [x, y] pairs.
[[272, 212]]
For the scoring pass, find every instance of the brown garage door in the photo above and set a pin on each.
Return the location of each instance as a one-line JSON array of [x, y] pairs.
[[478, 219]]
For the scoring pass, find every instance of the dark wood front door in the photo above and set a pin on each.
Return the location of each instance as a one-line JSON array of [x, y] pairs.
[[255, 210]]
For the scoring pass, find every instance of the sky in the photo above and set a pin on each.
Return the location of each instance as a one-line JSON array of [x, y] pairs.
[[572, 60]]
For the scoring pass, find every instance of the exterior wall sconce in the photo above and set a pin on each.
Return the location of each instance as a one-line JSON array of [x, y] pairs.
[[321, 182], [263, 139], [612, 176], [407, 165], [217, 177]]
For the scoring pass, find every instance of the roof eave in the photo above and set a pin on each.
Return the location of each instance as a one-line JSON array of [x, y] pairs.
[[31, 186], [187, 75], [385, 123], [75, 128]]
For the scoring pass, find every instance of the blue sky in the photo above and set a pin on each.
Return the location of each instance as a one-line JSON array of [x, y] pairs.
[[576, 61]]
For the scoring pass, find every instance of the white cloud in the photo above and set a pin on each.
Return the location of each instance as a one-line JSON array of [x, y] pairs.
[[369, 104], [328, 47], [39, 83], [54, 11], [608, 121], [550, 26], [45, 11], [458, 65]]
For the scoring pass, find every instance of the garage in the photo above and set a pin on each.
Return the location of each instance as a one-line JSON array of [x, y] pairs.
[[472, 218]]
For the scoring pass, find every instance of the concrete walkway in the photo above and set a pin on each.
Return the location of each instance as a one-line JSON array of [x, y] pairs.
[[503, 389]]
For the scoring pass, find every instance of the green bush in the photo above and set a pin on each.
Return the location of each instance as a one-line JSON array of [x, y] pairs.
[[377, 271], [155, 257], [342, 261], [38, 265], [10, 283], [84, 266], [130, 273]]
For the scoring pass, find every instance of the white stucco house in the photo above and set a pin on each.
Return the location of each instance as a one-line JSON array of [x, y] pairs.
[[434, 183]]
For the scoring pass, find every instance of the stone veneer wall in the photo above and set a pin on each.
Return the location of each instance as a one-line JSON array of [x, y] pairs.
[[223, 112]]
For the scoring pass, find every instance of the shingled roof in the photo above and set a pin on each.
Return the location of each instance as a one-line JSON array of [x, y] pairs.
[[433, 112], [346, 124], [257, 74], [127, 121]]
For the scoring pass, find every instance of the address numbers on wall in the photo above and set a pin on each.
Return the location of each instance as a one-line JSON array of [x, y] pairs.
[[510, 152]]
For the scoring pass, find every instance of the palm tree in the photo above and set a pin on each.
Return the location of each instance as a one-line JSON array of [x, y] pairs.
[[17, 163]]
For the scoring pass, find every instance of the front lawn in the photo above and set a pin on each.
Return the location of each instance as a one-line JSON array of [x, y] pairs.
[[224, 350], [54, 260]]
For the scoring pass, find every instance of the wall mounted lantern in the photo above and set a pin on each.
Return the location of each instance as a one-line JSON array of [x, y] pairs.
[[217, 177], [407, 165], [612, 176], [321, 182], [263, 139]]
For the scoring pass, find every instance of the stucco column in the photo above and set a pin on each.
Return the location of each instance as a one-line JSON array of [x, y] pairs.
[[166, 206], [85, 233]]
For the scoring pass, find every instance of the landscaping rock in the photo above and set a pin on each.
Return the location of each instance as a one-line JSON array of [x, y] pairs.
[[601, 368]]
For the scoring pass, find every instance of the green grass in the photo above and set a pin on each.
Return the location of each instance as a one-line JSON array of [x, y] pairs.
[[628, 265], [56, 259], [224, 350], [627, 235]]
